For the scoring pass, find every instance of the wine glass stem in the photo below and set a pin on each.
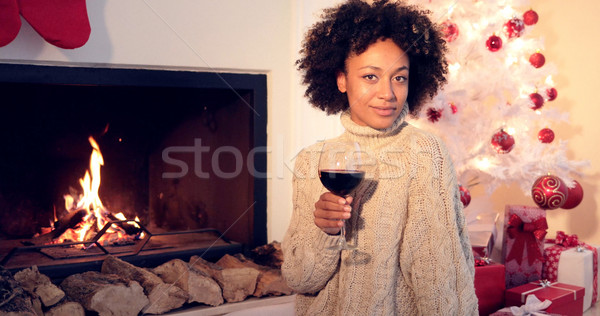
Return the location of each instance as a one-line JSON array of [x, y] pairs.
[[342, 241]]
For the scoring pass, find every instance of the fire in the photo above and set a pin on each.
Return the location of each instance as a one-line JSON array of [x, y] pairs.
[[96, 215]]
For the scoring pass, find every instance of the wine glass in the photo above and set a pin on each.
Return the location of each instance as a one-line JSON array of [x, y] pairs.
[[340, 172]]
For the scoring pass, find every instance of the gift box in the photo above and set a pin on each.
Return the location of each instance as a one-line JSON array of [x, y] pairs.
[[566, 299], [568, 260], [523, 244], [481, 227], [482, 243], [533, 306], [489, 287]]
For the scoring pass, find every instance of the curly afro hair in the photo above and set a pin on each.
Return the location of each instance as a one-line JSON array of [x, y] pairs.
[[354, 25]]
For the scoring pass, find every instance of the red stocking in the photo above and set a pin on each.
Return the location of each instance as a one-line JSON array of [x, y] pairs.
[[63, 23], [10, 22]]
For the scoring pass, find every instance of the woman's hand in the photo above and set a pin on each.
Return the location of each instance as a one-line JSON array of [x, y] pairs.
[[330, 211]]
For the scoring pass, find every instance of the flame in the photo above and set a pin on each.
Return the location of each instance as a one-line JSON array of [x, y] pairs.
[[97, 216]]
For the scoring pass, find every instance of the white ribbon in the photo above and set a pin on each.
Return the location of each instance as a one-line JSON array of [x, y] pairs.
[[533, 306], [544, 284]]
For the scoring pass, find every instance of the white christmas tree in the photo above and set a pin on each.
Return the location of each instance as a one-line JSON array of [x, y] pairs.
[[496, 112]]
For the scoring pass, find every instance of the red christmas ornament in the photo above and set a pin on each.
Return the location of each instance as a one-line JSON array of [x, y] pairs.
[[551, 93], [465, 195], [503, 142], [537, 60], [537, 100], [453, 107], [514, 27], [546, 135], [434, 115], [493, 43], [549, 192], [530, 17], [450, 30], [575, 196]]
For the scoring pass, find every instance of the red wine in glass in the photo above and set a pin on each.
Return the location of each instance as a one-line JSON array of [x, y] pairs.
[[340, 172], [341, 182]]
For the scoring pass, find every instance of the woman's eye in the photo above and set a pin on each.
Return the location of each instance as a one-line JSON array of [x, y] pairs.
[[370, 77], [400, 78]]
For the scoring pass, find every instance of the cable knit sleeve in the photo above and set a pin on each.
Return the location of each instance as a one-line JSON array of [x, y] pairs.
[[307, 264], [436, 258]]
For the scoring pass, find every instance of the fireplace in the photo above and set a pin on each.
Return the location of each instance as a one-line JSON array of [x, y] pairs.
[[183, 151]]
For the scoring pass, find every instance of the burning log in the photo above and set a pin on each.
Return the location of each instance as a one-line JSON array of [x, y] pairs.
[[236, 283], [129, 229], [14, 300], [270, 281], [71, 220], [39, 285], [198, 284], [162, 297], [107, 294]]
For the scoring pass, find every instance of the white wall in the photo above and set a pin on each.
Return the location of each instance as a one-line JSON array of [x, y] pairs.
[[311, 124]]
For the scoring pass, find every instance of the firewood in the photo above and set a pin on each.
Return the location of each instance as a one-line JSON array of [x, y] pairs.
[[37, 306], [107, 294], [39, 285], [199, 285], [270, 281], [163, 297], [268, 255], [71, 220], [236, 283], [129, 229], [49, 294], [14, 300], [66, 308]]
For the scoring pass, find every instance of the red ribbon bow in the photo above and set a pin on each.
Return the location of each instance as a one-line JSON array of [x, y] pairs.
[[566, 240], [525, 235], [482, 261]]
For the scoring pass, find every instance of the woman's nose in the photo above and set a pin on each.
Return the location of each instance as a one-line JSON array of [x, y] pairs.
[[384, 90]]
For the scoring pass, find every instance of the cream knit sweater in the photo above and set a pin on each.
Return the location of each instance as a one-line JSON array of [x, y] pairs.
[[413, 256]]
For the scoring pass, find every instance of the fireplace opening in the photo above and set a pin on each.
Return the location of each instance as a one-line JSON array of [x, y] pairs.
[[182, 150]]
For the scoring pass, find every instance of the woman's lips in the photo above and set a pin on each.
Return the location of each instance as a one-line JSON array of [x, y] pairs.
[[384, 110]]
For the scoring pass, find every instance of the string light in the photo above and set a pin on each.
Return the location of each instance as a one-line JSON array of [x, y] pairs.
[[483, 164]]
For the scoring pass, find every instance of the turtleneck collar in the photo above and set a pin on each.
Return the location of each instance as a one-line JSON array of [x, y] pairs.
[[364, 133]]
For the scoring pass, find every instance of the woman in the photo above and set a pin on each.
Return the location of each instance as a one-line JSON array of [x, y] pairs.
[[376, 64]]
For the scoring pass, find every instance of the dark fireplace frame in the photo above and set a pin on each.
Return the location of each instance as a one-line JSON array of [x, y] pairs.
[[114, 76]]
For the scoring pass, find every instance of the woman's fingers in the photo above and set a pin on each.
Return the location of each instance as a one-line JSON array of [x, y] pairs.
[[330, 211]]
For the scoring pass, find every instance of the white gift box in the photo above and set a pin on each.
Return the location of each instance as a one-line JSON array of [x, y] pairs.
[[482, 230], [576, 267]]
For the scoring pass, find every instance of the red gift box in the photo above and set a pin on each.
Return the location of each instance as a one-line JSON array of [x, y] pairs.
[[489, 287], [566, 299], [523, 244]]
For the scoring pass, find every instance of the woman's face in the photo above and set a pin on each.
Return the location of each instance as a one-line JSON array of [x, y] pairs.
[[376, 83]]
